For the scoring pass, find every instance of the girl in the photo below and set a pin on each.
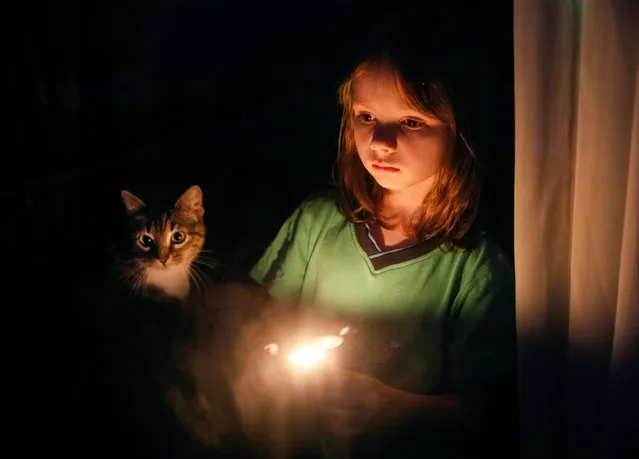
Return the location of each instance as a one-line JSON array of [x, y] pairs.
[[398, 252]]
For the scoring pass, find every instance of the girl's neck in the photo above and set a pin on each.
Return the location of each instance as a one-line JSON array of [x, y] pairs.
[[399, 206]]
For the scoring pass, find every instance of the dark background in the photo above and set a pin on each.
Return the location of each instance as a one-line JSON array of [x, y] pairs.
[[238, 97], [154, 96]]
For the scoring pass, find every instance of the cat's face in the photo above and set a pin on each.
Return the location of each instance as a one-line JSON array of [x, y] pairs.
[[163, 244]]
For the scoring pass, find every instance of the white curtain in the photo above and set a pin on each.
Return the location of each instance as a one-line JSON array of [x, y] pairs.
[[577, 226]]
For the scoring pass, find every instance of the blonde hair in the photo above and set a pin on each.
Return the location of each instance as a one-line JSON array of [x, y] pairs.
[[450, 208]]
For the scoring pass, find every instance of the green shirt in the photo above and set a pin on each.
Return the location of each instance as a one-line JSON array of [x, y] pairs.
[[433, 320]]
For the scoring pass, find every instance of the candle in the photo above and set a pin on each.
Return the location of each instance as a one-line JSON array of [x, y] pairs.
[[306, 356], [311, 353]]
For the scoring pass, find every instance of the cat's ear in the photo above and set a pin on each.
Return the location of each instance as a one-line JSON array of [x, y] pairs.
[[190, 202], [131, 202]]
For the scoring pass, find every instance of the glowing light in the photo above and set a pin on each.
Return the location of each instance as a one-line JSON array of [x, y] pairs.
[[344, 331], [306, 356], [314, 352], [328, 342]]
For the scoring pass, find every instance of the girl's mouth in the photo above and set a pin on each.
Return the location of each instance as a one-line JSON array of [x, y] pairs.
[[385, 168]]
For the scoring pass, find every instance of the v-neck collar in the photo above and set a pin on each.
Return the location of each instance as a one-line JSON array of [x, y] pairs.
[[382, 258]]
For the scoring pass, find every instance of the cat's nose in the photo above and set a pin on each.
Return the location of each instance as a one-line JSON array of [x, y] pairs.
[[163, 260]]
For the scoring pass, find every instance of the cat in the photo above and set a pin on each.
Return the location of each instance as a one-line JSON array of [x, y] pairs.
[[146, 318], [200, 333], [186, 327], [161, 255]]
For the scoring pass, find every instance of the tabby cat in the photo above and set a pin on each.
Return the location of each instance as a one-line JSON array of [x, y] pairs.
[[203, 338], [162, 253], [167, 310]]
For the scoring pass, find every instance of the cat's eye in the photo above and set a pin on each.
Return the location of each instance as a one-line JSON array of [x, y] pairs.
[[178, 237], [145, 241]]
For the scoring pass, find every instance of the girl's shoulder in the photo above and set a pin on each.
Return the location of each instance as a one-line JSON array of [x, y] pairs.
[[320, 203], [319, 210], [487, 262]]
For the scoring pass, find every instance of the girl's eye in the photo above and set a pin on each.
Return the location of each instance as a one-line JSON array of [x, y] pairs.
[[413, 124], [366, 118]]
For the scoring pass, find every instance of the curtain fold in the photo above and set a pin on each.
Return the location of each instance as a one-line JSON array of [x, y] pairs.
[[576, 229]]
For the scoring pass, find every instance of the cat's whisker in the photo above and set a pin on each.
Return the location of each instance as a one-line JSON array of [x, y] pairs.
[[131, 275], [137, 282], [200, 274], [126, 276], [199, 283], [213, 266], [211, 263], [211, 260], [204, 256], [137, 279]]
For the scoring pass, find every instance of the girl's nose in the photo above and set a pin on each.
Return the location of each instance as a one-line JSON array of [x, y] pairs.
[[384, 138]]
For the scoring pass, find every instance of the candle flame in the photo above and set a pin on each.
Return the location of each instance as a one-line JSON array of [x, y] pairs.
[[314, 352], [306, 356]]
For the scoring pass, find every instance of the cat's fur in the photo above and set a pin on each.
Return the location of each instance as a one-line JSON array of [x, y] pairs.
[[162, 247]]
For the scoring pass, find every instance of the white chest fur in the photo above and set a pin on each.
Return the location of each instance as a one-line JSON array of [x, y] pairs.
[[172, 280]]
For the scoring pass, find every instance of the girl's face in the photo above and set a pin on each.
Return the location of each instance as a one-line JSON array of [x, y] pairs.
[[399, 146]]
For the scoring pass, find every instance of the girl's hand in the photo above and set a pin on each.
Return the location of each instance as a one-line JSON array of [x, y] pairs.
[[351, 403]]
